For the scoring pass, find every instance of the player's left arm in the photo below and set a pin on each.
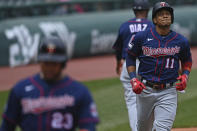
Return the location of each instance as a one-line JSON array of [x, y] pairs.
[[88, 115], [118, 46], [186, 65]]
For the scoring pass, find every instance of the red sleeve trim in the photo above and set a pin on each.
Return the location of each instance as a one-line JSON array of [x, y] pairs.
[[87, 120], [131, 53], [8, 119], [186, 66]]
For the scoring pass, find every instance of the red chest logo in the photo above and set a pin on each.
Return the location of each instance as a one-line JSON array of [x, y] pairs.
[[51, 48]]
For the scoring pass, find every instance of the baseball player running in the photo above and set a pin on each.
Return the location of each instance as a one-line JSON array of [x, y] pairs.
[[159, 50], [49, 101], [127, 30]]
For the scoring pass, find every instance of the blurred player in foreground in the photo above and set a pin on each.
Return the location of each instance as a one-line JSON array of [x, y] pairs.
[[126, 31], [49, 101], [159, 50]]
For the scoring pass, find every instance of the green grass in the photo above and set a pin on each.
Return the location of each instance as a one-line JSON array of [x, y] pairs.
[[108, 95], [3, 100], [187, 104]]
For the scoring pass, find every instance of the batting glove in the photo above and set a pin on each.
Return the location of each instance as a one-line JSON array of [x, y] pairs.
[[183, 82], [137, 86]]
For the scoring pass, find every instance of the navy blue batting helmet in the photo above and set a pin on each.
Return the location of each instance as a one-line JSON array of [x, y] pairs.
[[52, 49], [162, 5], [141, 5]]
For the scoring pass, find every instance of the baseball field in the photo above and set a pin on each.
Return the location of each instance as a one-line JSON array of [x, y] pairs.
[[108, 93]]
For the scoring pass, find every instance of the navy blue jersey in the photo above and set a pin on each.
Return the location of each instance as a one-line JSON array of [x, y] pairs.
[[159, 56], [35, 105], [126, 31]]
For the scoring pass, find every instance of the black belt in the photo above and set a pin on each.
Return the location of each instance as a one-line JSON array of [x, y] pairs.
[[158, 85]]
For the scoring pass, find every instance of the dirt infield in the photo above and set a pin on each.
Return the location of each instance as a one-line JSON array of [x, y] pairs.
[[98, 67], [84, 69], [92, 68], [184, 129]]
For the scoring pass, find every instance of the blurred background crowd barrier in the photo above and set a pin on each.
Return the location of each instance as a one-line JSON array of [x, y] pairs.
[[20, 8], [88, 27]]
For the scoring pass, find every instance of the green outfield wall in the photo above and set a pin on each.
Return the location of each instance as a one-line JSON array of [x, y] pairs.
[[84, 34]]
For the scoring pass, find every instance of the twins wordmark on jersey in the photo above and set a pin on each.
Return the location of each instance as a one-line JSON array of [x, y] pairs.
[[43, 104], [157, 52]]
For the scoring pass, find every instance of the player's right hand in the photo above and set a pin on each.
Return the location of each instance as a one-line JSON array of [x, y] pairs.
[[137, 86]]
